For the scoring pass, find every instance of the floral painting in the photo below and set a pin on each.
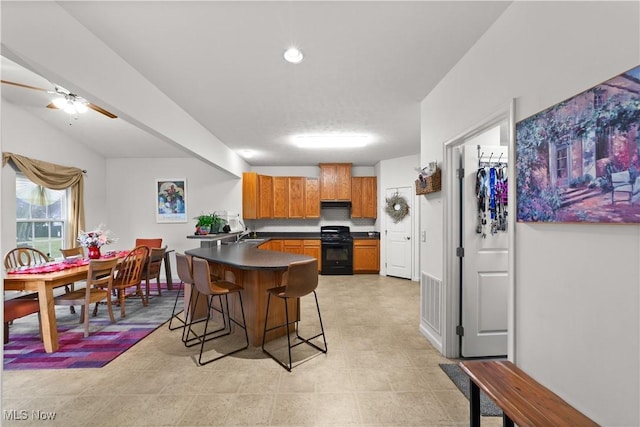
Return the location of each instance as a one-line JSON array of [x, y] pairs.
[[579, 160], [171, 200]]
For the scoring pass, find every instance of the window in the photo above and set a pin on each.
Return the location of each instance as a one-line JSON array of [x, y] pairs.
[[562, 163], [41, 216]]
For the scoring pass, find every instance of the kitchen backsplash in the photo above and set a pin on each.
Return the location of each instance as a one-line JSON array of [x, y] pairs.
[[329, 217]]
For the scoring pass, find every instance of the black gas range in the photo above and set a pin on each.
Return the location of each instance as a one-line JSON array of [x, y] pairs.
[[337, 249]]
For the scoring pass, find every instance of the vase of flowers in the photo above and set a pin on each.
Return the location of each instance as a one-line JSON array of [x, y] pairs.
[[93, 240]]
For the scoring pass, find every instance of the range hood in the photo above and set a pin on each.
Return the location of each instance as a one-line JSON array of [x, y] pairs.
[[332, 204]]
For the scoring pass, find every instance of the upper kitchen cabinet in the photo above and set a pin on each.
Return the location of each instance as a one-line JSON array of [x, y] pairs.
[[295, 188], [364, 197], [257, 196], [312, 198], [281, 194], [335, 181], [279, 197]]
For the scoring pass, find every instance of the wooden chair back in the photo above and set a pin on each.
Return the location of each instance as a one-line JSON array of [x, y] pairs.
[[131, 270], [100, 275], [300, 279], [20, 257], [156, 255], [76, 251], [150, 243]]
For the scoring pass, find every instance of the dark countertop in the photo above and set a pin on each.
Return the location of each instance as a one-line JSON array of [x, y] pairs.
[[284, 235], [246, 256]]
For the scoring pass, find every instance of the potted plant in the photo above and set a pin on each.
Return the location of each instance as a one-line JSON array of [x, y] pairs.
[[209, 223], [203, 226], [217, 223]]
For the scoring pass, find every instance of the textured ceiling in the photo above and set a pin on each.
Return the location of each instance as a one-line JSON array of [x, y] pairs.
[[366, 69]]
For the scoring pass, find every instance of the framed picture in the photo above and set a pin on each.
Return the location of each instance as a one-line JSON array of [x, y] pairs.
[[579, 161], [171, 200]]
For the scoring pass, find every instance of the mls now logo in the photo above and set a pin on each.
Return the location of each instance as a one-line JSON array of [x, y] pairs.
[[21, 415]]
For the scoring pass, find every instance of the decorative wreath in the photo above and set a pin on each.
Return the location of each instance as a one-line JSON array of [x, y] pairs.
[[397, 207]]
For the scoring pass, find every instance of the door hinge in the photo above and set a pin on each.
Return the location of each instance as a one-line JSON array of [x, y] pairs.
[[460, 330], [460, 252], [460, 173]]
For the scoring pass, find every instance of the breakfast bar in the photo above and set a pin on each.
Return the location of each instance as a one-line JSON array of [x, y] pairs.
[[255, 270]]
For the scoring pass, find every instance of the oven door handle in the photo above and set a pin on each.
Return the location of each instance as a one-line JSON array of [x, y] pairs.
[[337, 243]]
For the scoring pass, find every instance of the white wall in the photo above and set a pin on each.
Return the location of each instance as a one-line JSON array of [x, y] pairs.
[[132, 200], [23, 134], [577, 326]]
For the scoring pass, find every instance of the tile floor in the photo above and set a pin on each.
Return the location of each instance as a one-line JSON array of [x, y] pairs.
[[379, 371]]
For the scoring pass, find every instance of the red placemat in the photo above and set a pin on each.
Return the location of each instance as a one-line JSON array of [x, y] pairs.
[[54, 266], [49, 267]]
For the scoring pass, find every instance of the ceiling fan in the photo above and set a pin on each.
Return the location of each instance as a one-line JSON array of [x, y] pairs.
[[67, 101]]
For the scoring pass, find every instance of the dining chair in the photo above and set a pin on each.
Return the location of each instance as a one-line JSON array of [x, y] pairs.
[[26, 256], [77, 251], [21, 257], [98, 288], [300, 279], [17, 308], [129, 273], [150, 243], [153, 268], [210, 289]]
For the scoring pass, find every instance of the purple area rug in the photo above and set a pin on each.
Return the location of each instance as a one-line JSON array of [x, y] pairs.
[[105, 342]]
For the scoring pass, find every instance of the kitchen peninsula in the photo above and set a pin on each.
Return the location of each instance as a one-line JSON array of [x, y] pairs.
[[255, 270]]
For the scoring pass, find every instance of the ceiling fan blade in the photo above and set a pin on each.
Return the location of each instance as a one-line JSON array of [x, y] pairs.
[[52, 106], [101, 111], [24, 85]]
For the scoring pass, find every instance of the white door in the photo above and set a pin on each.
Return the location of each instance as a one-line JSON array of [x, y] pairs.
[[485, 267], [398, 238]]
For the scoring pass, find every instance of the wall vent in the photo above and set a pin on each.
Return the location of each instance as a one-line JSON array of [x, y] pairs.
[[432, 302]]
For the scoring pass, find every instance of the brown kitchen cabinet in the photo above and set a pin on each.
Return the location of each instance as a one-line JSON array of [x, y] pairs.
[[335, 181], [312, 198], [273, 245], [364, 197], [313, 248], [296, 197], [280, 197], [366, 256], [257, 196], [293, 246]]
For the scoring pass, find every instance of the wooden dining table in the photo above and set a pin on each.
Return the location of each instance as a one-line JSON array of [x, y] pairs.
[[44, 284]]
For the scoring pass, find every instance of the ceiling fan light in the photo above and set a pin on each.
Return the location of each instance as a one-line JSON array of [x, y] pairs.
[[70, 108], [80, 107], [60, 102]]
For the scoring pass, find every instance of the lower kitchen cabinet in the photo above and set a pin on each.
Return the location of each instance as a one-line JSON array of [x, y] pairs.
[[366, 256], [293, 247], [314, 249]]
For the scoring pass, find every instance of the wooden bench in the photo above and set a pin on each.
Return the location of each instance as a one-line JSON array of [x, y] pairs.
[[522, 399]]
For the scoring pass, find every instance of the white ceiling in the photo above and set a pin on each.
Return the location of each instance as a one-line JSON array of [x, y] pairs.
[[367, 66]]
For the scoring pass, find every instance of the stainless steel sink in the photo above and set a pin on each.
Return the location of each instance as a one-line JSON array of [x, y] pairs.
[[251, 240]]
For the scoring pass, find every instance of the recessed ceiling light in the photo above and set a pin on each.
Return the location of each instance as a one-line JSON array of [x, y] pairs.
[[332, 141], [293, 55], [247, 154]]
